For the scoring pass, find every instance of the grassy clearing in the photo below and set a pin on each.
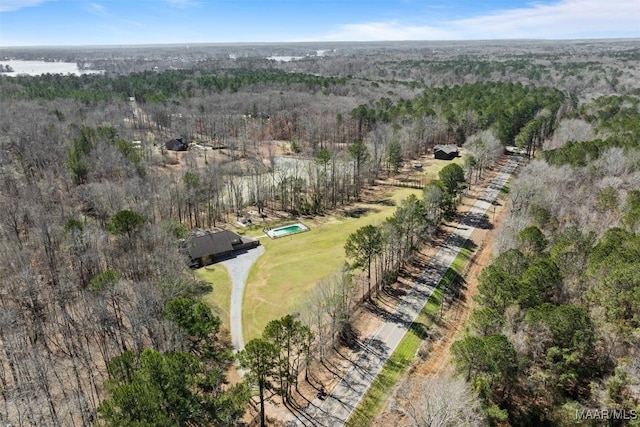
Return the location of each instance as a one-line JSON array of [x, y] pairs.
[[292, 266], [219, 299], [459, 263], [402, 358], [431, 167]]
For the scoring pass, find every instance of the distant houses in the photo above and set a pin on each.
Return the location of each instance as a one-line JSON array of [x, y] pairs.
[[176, 144], [204, 247], [445, 152]]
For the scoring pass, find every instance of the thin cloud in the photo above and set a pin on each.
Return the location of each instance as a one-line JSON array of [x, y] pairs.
[[96, 8], [182, 4], [559, 20], [386, 31], [565, 19], [13, 5]]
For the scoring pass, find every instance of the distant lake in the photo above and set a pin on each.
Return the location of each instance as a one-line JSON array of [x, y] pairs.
[[294, 58], [284, 58], [36, 68]]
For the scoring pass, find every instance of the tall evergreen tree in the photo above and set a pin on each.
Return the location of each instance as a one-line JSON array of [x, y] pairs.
[[260, 358], [394, 155]]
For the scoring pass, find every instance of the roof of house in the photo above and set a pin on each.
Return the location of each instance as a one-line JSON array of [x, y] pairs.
[[176, 144], [448, 148], [212, 244]]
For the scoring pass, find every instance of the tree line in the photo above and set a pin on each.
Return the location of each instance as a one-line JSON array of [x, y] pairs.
[[157, 87], [470, 108], [388, 246]]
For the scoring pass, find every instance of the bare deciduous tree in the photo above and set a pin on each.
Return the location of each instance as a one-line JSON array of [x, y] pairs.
[[570, 130], [485, 148], [437, 401]]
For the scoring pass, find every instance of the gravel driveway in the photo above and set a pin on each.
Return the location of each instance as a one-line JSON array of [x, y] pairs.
[[238, 269]]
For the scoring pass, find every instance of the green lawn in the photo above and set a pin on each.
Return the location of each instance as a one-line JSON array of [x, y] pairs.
[[292, 266], [220, 297], [431, 167]]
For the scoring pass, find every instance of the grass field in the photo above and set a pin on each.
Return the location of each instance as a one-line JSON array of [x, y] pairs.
[[220, 297], [292, 266], [431, 167]]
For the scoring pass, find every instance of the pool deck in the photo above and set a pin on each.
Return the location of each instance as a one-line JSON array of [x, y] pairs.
[[271, 231]]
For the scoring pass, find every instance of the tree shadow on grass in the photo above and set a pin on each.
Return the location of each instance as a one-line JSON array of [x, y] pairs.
[[356, 212], [456, 289], [384, 202], [420, 330]]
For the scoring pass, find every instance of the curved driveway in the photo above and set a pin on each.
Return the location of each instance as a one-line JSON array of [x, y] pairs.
[[238, 269], [378, 347]]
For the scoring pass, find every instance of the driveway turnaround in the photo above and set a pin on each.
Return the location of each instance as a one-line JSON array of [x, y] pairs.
[[338, 406], [238, 269]]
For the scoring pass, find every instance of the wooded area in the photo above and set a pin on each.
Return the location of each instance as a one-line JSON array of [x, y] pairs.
[[556, 327], [101, 319]]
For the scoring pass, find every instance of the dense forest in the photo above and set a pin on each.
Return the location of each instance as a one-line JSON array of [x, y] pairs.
[[556, 327], [102, 321]]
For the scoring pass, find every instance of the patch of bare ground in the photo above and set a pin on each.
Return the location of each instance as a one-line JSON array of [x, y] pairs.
[[370, 315]]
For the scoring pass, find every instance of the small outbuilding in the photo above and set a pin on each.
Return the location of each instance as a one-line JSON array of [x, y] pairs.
[[176, 144], [510, 150], [445, 152], [204, 247]]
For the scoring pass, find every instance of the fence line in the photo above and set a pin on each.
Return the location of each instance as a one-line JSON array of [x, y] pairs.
[[409, 183]]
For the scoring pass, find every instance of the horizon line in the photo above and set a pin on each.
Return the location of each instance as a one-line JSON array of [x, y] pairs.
[[251, 43]]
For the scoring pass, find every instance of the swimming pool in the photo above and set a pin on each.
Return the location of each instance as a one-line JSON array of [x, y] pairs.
[[287, 230]]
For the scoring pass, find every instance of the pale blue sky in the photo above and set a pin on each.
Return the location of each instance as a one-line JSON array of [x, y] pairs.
[[117, 22]]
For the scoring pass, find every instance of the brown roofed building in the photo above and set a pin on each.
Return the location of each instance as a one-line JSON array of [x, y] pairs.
[[176, 144], [445, 152], [204, 248]]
